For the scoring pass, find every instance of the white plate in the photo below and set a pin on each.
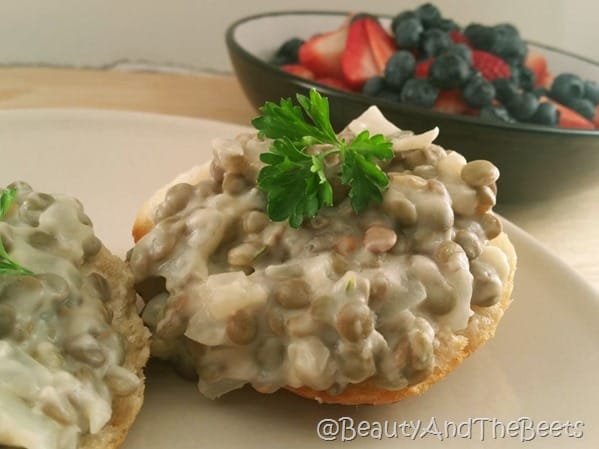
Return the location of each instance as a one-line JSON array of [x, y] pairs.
[[542, 364]]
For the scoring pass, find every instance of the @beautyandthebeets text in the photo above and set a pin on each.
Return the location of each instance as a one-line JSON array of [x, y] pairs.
[[523, 429]]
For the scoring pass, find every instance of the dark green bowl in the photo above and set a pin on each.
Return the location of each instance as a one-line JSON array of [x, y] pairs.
[[536, 162]]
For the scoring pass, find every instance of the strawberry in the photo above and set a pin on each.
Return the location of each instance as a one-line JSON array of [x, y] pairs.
[[596, 121], [422, 68], [489, 65], [450, 101], [569, 118], [459, 38], [334, 82], [358, 62], [298, 70], [322, 53], [536, 62], [381, 44]]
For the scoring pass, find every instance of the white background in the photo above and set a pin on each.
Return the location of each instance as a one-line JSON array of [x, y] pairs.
[[190, 33]]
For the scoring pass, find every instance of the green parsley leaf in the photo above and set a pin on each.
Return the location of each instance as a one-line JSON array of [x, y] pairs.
[[8, 265], [295, 182], [6, 200]]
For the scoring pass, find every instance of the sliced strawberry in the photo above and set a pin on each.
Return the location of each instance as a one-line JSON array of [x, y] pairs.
[[322, 53], [334, 82], [381, 44], [489, 65], [450, 101], [298, 70], [358, 63], [422, 68], [459, 38], [569, 118], [536, 62], [545, 81]]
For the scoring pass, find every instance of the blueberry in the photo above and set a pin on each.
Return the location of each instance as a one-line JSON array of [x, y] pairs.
[[583, 106], [546, 114], [505, 89], [567, 87], [478, 92], [373, 85], [480, 36], [400, 67], [507, 43], [524, 77], [448, 71], [462, 50], [419, 92], [522, 106], [402, 16], [591, 91], [408, 32], [287, 53], [434, 42], [445, 25], [496, 114], [428, 14]]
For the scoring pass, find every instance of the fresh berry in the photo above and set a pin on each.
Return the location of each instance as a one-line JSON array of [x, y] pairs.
[[333, 82], [524, 77], [408, 32], [489, 65], [446, 25], [522, 106], [546, 114], [462, 50], [399, 69], [591, 91], [478, 92], [496, 113], [480, 36], [429, 14], [536, 62], [419, 92], [434, 42], [569, 118], [505, 89], [423, 67], [402, 16], [357, 61], [298, 70], [583, 106], [458, 37], [449, 71], [567, 87], [373, 86], [288, 52], [381, 43], [508, 44], [322, 53], [545, 81], [596, 121], [450, 101]]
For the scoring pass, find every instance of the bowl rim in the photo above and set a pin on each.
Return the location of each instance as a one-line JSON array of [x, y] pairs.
[[237, 47]]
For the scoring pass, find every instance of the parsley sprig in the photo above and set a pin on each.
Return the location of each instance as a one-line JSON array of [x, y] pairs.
[[295, 182], [8, 265]]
